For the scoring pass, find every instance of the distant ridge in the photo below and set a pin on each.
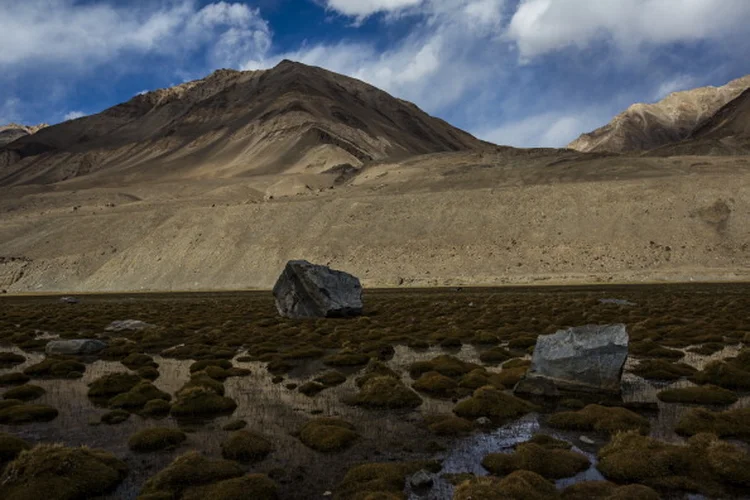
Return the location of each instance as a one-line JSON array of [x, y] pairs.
[[644, 127], [13, 131]]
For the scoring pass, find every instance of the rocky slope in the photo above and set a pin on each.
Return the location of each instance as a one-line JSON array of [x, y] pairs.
[[292, 118], [13, 131], [644, 127]]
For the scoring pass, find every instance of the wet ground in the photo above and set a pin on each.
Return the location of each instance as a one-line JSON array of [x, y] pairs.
[[277, 411]]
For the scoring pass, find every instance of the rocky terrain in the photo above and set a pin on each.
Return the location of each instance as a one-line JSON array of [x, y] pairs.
[[216, 184], [644, 127], [13, 131]]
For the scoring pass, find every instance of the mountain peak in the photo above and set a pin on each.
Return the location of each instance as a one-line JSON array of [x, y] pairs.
[[643, 126]]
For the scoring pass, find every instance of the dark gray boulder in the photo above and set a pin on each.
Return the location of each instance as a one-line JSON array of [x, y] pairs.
[[587, 358], [75, 346], [306, 290]]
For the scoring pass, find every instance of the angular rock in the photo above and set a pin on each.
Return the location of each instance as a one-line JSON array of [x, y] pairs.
[[69, 300], [306, 290], [75, 346], [128, 324], [421, 480], [581, 359]]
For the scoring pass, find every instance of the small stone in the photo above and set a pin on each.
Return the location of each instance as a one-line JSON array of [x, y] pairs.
[[69, 300], [421, 479], [586, 440], [483, 422], [327, 494], [75, 346], [128, 324]]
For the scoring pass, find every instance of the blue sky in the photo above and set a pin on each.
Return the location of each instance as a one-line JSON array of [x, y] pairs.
[[518, 72]]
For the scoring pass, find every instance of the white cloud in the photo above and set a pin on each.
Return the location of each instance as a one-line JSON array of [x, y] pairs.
[[364, 8], [674, 84], [72, 115], [553, 129], [66, 32], [542, 26]]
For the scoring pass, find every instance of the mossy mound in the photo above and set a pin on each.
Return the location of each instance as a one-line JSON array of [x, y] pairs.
[[112, 384], [331, 378], [13, 378], [137, 360], [328, 434], [386, 392], [56, 368], [520, 485], [509, 377], [249, 486], [204, 363], [448, 425], [201, 379], [246, 446], [374, 369], [450, 343], [7, 403], [600, 419], [199, 401], [730, 423], [549, 442], [346, 358], [479, 378], [186, 472], [155, 438], [311, 388], [27, 413], [604, 490], [156, 408], [548, 462], [377, 480], [115, 417], [658, 369], [303, 352], [55, 471], [726, 374], [705, 465], [435, 384], [650, 349], [138, 396], [26, 392], [523, 342], [448, 366], [702, 395], [219, 373], [148, 373], [10, 359], [494, 404], [234, 425], [10, 447], [495, 356]]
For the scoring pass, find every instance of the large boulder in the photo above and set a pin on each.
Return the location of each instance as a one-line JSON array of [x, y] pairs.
[[582, 359], [306, 290], [75, 346]]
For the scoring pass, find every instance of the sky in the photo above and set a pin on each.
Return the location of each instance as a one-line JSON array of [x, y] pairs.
[[524, 73]]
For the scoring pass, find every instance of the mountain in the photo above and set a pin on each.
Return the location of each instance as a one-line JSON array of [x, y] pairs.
[[644, 127], [291, 118], [13, 131]]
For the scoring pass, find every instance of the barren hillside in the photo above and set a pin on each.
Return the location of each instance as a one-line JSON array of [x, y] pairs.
[[644, 127], [292, 118]]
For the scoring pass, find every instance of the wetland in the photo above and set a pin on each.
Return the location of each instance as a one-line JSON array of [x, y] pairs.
[[215, 395]]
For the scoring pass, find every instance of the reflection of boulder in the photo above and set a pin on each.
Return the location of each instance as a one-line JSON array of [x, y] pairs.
[[306, 290], [76, 346], [581, 359]]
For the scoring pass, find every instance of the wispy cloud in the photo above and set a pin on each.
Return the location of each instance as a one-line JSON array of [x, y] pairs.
[[72, 115]]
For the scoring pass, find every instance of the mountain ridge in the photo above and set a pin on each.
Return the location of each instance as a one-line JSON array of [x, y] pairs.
[[643, 127], [291, 118]]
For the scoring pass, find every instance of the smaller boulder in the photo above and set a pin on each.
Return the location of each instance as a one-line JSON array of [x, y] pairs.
[[69, 300], [75, 346]]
